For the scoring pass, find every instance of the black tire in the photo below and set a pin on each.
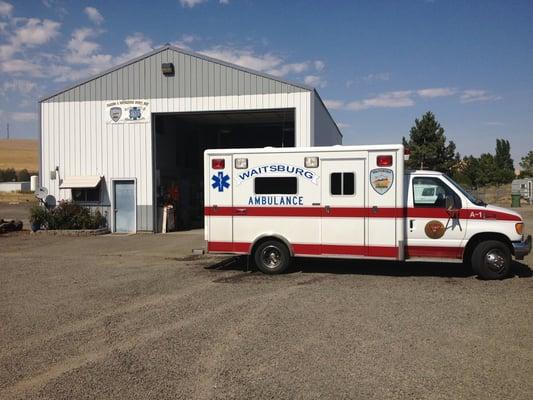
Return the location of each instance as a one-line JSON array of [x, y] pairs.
[[491, 260], [272, 257]]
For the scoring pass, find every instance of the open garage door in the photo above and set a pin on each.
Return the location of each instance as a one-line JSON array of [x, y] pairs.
[[180, 140]]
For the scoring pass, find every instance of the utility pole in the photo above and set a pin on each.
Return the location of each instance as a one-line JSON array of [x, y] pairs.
[[7, 133]]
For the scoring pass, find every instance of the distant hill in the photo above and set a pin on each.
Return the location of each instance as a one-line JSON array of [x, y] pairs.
[[19, 154]]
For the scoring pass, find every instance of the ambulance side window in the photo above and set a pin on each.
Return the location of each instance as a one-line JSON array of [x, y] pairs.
[[342, 183], [431, 193], [276, 185]]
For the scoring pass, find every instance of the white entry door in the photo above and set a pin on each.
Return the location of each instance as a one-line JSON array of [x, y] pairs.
[[124, 206], [343, 207]]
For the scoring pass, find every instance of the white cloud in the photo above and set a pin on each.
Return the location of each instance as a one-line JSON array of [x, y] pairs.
[[21, 67], [293, 68], [80, 49], [23, 116], [185, 41], [35, 32], [380, 76], [5, 8], [473, 95], [334, 104], [395, 99], [20, 86], [19, 116], [191, 3], [244, 57], [94, 15], [319, 65], [436, 92], [223, 1], [315, 81]]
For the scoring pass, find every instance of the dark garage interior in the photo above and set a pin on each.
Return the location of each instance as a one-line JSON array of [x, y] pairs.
[[180, 140]]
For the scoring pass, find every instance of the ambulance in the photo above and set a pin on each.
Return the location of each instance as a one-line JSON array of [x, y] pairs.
[[274, 204]]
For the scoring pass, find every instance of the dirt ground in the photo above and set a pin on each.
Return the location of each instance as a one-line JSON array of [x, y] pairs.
[[137, 317]]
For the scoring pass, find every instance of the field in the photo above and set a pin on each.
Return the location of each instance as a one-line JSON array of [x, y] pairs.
[[19, 154]]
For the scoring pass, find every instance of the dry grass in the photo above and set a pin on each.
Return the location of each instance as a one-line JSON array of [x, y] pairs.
[[19, 154], [17, 197]]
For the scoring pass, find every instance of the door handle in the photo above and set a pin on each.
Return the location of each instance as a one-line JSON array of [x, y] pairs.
[[411, 223], [240, 211], [327, 209]]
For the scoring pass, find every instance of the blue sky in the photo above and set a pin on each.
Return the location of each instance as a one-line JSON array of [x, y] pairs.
[[377, 64]]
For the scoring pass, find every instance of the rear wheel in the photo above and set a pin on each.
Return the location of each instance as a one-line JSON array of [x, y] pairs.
[[272, 257], [491, 260]]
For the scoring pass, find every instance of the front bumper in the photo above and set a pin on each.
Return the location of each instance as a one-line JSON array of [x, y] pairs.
[[522, 249]]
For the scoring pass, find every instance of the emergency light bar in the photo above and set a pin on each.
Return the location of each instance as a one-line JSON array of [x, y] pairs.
[[384, 161]]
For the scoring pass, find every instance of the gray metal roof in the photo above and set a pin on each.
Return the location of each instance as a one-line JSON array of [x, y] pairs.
[[185, 52]]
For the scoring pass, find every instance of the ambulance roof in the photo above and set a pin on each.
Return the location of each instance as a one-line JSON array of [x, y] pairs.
[[316, 149]]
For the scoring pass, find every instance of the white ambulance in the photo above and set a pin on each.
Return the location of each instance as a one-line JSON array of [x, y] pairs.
[[350, 202]]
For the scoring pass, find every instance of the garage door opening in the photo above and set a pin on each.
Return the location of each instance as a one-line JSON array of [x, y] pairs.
[[180, 140]]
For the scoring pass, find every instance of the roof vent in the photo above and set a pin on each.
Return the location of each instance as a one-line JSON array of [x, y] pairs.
[[167, 69]]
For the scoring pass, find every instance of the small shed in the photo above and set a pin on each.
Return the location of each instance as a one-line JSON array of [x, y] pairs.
[[524, 187]]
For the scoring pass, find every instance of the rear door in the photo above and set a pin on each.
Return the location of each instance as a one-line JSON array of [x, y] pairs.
[[343, 211], [383, 193], [219, 192]]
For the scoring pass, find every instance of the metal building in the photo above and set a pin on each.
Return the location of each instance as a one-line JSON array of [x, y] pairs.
[[131, 138]]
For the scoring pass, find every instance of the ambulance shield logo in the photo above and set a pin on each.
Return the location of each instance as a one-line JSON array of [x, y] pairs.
[[381, 179], [115, 113]]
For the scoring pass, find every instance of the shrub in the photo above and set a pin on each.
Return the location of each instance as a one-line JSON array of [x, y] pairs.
[[39, 216], [67, 215]]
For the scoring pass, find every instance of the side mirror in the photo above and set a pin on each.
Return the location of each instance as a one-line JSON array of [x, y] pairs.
[[451, 204]]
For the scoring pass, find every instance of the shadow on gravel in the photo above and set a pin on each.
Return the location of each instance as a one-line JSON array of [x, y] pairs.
[[373, 267]]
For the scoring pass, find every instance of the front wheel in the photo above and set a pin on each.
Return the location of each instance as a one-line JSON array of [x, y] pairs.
[[272, 257], [491, 260]]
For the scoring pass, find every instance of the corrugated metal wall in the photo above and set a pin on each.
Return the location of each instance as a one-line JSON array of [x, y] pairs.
[[326, 132], [76, 138]]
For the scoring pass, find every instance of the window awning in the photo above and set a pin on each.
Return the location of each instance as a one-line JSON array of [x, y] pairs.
[[80, 182]]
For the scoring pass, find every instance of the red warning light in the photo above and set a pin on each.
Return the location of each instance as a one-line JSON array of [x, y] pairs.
[[218, 163], [384, 161]]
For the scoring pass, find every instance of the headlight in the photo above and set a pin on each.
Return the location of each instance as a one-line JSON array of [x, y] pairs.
[[519, 228]]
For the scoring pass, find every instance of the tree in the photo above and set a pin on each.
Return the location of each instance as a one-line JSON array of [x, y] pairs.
[[503, 162], [428, 147], [23, 175], [8, 175], [526, 164]]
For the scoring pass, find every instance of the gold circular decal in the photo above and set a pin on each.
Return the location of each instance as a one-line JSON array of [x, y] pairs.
[[435, 229]]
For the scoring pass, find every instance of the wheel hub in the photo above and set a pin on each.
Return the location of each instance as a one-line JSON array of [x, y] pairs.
[[271, 257], [495, 260]]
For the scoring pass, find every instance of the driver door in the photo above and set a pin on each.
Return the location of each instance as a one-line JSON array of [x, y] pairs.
[[432, 229]]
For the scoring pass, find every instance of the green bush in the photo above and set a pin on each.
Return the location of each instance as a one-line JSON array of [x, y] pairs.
[[67, 215], [39, 216]]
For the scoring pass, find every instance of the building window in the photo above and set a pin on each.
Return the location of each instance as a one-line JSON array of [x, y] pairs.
[[277, 185], [342, 183], [86, 195], [431, 193]]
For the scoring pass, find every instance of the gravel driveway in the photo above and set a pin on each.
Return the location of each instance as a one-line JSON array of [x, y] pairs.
[[136, 317]]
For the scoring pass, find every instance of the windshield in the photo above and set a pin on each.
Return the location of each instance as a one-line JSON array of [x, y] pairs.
[[469, 196]]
